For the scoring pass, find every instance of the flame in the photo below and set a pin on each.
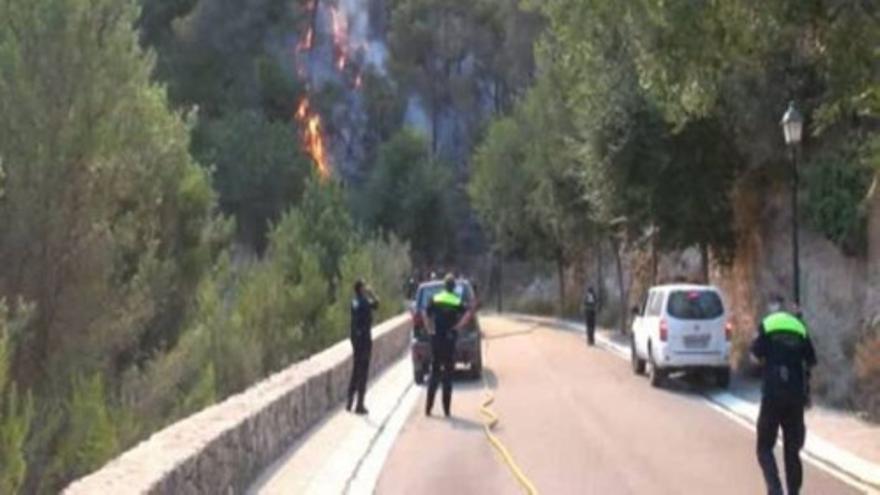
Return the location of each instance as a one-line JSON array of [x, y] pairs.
[[313, 137], [308, 42]]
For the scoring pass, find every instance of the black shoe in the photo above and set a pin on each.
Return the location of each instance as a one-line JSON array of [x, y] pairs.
[[446, 413], [348, 404], [361, 410]]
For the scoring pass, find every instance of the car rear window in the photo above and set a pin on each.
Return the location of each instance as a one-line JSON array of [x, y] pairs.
[[429, 291], [695, 305]]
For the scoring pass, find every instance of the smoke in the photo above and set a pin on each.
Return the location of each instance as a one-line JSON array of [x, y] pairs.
[[416, 117], [372, 50]]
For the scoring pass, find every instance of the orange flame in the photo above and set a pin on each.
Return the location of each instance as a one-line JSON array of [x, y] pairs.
[[313, 137], [306, 43]]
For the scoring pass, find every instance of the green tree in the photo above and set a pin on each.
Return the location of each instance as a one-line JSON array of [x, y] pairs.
[[108, 222], [500, 184], [259, 170], [449, 51], [89, 436], [411, 195], [15, 410]]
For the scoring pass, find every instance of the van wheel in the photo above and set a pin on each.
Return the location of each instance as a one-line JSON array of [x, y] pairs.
[[638, 364], [722, 377], [656, 376]]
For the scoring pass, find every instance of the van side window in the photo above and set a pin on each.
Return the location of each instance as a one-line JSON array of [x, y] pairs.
[[655, 307]]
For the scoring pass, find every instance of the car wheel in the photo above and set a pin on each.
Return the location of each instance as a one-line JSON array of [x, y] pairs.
[[477, 369], [638, 364], [655, 375], [722, 377]]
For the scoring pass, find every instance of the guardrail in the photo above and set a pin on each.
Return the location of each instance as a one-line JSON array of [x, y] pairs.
[[223, 448]]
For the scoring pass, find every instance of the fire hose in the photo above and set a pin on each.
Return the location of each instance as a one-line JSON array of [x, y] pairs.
[[491, 420]]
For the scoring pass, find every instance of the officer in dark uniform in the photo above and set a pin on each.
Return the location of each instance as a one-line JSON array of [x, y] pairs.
[[787, 353], [362, 307], [590, 303], [449, 314]]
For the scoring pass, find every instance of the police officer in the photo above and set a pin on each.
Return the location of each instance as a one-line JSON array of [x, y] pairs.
[[449, 314], [362, 307], [590, 303], [784, 347]]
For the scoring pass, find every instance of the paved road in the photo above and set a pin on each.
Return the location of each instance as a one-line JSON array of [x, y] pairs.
[[577, 421]]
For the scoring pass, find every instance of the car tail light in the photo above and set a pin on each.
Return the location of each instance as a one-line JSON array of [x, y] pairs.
[[664, 331], [417, 319], [728, 331]]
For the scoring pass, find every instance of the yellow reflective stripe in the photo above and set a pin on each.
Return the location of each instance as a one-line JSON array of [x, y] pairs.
[[784, 322], [447, 298]]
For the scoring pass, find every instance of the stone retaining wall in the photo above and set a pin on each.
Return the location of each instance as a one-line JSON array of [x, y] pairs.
[[223, 448]]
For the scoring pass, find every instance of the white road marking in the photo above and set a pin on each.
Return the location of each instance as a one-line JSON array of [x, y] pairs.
[[344, 453], [366, 477]]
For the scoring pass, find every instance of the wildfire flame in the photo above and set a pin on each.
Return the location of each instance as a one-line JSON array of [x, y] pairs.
[[313, 135]]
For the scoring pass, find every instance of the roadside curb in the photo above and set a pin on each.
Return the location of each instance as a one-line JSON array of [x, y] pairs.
[[822, 452]]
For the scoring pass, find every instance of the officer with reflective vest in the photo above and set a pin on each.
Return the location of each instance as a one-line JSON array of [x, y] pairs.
[[449, 314], [784, 347]]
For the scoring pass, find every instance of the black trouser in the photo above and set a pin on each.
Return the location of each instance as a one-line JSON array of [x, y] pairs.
[[360, 370], [442, 368], [591, 326], [790, 416]]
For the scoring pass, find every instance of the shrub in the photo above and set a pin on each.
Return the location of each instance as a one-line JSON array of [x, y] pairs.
[[836, 187], [15, 414]]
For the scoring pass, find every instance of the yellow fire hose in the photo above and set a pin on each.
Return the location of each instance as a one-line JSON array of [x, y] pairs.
[[491, 420]]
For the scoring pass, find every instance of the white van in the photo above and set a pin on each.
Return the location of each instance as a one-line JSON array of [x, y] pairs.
[[681, 328]]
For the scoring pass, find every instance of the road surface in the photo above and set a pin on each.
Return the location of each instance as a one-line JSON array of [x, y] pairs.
[[577, 421]]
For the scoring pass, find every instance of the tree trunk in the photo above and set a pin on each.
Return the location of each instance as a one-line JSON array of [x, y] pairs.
[[560, 270], [600, 273], [624, 300], [654, 259], [500, 294], [704, 262]]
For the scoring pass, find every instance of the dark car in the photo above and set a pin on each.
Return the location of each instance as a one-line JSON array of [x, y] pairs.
[[468, 347]]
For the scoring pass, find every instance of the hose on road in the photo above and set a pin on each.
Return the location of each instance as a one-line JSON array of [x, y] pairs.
[[491, 420]]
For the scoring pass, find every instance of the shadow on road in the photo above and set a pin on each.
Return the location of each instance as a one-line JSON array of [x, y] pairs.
[[689, 385], [463, 381], [459, 423]]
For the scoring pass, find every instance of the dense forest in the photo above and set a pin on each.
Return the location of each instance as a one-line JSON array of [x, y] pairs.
[[188, 188], [653, 127]]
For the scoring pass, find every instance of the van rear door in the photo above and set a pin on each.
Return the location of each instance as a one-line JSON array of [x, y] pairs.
[[696, 320]]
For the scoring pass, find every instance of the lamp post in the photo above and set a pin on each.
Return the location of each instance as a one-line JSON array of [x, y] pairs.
[[792, 127]]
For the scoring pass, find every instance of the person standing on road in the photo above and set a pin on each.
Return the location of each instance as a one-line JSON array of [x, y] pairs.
[[449, 314], [786, 351], [590, 303], [362, 307]]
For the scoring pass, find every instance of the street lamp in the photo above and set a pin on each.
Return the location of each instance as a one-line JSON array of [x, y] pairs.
[[793, 126]]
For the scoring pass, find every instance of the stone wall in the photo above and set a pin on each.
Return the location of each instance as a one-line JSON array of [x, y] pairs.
[[840, 294], [223, 448]]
